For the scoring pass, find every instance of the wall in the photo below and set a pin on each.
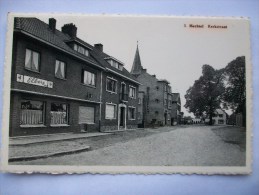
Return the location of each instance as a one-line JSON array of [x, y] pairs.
[[73, 110], [112, 124], [70, 87]]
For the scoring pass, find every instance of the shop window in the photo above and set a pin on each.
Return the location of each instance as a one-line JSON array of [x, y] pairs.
[[88, 78], [110, 111], [132, 92], [60, 69], [111, 85], [32, 113], [32, 60], [132, 113], [59, 114]]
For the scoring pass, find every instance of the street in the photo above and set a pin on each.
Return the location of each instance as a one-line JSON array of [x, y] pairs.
[[165, 146]]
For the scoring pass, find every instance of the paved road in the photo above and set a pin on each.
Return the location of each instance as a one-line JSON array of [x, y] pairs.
[[192, 146]]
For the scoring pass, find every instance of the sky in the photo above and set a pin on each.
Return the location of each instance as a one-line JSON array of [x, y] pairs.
[[168, 47]]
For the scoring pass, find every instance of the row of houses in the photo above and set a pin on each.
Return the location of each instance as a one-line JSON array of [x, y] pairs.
[[159, 106], [60, 83]]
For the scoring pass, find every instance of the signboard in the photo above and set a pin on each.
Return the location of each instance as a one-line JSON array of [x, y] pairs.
[[34, 81]]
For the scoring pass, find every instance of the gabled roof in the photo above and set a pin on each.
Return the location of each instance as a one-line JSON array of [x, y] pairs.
[[220, 111], [101, 57], [38, 29]]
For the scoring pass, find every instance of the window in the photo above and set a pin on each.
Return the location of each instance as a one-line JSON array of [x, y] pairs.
[[88, 78], [165, 102], [220, 121], [169, 103], [132, 113], [115, 64], [81, 49], [32, 60], [139, 100], [110, 112], [58, 114], [60, 69], [157, 88], [32, 113], [132, 92], [156, 112], [139, 115], [221, 115], [120, 67], [111, 85], [157, 100]]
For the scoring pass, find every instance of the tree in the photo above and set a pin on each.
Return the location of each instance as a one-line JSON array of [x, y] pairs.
[[235, 86], [204, 97]]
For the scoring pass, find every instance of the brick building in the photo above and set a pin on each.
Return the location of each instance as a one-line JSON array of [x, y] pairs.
[[59, 83], [156, 108], [176, 109]]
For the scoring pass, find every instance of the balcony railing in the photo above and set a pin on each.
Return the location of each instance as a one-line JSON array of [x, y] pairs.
[[124, 96]]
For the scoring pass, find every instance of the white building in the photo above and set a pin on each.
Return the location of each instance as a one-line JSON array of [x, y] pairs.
[[219, 117]]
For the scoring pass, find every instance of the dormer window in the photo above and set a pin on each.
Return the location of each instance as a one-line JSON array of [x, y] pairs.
[[115, 63], [81, 49]]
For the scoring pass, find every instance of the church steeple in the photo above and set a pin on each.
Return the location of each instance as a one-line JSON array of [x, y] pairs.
[[136, 67]]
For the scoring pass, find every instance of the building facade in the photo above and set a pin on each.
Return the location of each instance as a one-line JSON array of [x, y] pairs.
[[218, 118], [59, 83], [176, 109], [156, 96]]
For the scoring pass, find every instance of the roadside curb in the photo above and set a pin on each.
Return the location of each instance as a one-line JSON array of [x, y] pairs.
[[35, 157], [55, 140]]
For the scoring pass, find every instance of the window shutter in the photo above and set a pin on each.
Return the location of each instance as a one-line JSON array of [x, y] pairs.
[[86, 114], [110, 111]]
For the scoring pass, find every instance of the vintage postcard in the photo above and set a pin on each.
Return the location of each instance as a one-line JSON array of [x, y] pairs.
[[127, 94]]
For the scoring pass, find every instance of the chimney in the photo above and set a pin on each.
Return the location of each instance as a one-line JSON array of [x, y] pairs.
[[154, 75], [52, 24], [70, 29], [99, 46]]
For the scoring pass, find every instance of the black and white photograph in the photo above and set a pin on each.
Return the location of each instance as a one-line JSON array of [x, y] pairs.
[[127, 94]]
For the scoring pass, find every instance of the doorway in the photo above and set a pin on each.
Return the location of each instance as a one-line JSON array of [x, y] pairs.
[[122, 116]]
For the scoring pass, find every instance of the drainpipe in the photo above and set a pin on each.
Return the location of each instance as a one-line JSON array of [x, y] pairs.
[[100, 107]]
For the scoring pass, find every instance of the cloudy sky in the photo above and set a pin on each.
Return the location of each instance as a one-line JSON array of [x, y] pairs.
[[167, 48]]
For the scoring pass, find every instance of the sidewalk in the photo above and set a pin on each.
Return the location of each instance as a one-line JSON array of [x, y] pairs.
[[43, 146], [35, 139], [26, 148]]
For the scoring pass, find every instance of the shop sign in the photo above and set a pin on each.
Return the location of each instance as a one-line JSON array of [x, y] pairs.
[[34, 81]]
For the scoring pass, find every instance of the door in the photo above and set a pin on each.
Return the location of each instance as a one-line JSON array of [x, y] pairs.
[[122, 116]]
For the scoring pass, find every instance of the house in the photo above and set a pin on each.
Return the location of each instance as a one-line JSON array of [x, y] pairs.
[[176, 109], [196, 120], [59, 83], [218, 118], [155, 94]]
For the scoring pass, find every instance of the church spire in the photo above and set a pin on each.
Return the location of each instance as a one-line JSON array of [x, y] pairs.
[[136, 67]]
